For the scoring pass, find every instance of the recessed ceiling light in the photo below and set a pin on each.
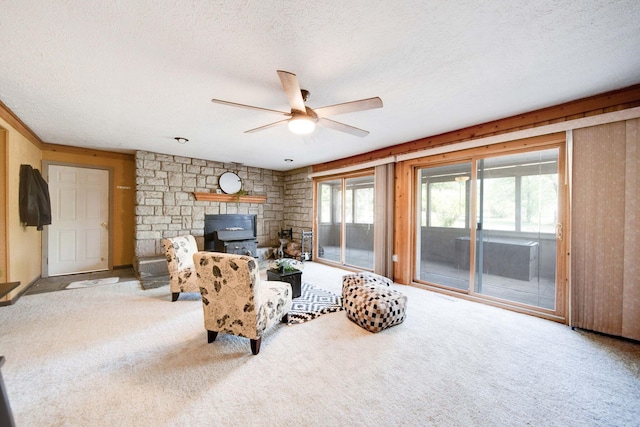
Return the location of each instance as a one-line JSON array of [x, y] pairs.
[[181, 140]]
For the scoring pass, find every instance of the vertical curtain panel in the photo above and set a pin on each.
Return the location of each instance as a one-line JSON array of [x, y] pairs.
[[605, 229], [383, 219]]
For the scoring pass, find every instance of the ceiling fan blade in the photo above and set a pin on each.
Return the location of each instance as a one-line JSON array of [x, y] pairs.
[[349, 107], [332, 124], [281, 122], [250, 107], [292, 90]]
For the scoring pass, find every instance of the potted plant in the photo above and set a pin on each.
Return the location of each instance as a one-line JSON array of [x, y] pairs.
[[286, 270], [286, 265], [239, 193]]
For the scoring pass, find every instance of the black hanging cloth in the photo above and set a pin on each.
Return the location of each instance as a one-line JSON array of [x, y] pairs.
[[34, 201]]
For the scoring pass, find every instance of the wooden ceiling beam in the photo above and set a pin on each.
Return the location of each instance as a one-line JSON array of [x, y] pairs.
[[598, 104]]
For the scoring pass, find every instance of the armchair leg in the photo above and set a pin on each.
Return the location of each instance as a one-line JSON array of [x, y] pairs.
[[255, 345], [211, 336], [285, 318], [174, 296]]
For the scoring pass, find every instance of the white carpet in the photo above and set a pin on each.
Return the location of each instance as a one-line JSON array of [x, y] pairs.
[[117, 355], [93, 282]]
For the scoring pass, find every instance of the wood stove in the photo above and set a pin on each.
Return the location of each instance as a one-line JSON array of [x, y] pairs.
[[231, 233]]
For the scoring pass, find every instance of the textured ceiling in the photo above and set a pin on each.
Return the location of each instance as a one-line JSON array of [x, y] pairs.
[[128, 75]]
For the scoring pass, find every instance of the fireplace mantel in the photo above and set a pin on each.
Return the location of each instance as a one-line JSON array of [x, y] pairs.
[[229, 198]]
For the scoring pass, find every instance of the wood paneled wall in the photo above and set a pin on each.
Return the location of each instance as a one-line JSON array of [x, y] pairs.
[[3, 206], [22, 246]]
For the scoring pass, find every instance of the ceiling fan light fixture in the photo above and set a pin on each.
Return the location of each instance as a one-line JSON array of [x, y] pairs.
[[301, 125]]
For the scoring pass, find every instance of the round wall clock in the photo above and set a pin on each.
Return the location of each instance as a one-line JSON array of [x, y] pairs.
[[230, 183]]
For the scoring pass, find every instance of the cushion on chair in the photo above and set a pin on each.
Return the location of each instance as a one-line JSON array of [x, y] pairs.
[[371, 303], [278, 296]]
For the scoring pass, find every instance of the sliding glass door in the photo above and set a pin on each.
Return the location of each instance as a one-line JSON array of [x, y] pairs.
[[442, 235], [486, 226], [359, 227], [329, 229], [516, 227], [346, 221]]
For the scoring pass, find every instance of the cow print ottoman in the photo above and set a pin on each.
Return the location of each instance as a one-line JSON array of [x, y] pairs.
[[370, 301]]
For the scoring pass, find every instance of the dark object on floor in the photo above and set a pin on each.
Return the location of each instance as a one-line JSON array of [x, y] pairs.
[[6, 417]]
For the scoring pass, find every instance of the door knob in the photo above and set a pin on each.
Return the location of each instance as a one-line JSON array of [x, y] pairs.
[[104, 224]]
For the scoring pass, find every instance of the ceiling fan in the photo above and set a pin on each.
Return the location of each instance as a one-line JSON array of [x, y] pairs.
[[302, 119]]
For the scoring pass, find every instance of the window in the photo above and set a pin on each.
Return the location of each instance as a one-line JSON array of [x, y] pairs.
[[500, 209], [325, 203], [364, 207], [346, 220], [447, 204]]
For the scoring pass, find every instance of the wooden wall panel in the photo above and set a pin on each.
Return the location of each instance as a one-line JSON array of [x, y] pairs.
[[403, 233], [23, 243], [3, 206]]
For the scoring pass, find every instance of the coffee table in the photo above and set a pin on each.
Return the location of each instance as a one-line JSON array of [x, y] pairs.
[[294, 278]]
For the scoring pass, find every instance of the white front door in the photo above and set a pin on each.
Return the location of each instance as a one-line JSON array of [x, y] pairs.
[[78, 237]]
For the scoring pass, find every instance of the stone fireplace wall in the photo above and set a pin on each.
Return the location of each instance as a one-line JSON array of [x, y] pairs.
[[166, 206], [298, 201]]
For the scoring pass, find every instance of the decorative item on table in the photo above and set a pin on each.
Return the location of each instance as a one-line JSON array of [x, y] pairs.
[[286, 265]]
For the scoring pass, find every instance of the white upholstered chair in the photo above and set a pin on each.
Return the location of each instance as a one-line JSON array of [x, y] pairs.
[[234, 299], [179, 252]]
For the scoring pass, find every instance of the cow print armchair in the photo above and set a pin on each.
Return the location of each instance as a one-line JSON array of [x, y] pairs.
[[235, 300]]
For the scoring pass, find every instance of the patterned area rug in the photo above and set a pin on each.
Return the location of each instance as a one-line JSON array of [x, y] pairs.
[[313, 302]]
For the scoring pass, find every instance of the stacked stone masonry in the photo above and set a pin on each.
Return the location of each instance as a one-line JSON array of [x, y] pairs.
[[298, 201], [166, 206]]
